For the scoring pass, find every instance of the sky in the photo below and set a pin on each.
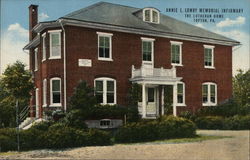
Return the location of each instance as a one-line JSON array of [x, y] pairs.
[[14, 22]]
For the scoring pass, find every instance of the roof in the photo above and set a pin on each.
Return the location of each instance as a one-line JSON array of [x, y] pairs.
[[122, 18], [119, 15]]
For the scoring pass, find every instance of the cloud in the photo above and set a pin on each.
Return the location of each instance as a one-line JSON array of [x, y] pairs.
[[12, 42], [228, 22], [42, 16], [200, 25]]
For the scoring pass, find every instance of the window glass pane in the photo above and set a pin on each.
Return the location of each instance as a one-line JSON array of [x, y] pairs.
[[147, 15], [110, 97], [180, 88], [55, 39], [99, 97], [155, 16], [212, 93], [55, 85], [175, 53], [106, 42], [110, 86], [151, 97], [99, 85], [106, 52], [204, 93], [180, 98], [101, 41], [147, 51], [104, 47], [56, 97], [208, 57]]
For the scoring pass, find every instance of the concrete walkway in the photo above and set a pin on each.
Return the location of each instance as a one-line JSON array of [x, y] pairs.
[[235, 148]]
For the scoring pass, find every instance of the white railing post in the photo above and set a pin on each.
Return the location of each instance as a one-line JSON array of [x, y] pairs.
[[133, 71], [174, 99], [143, 100]]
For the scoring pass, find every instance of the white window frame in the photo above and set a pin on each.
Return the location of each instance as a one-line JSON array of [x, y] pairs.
[[36, 59], [109, 35], [144, 39], [51, 93], [180, 45], [209, 103], [104, 80], [212, 48], [44, 46], [50, 44], [151, 15], [184, 102], [45, 93]]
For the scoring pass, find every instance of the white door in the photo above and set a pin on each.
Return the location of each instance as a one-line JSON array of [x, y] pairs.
[[151, 103], [37, 103]]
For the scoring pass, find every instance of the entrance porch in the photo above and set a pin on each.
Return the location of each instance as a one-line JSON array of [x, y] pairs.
[[152, 81]]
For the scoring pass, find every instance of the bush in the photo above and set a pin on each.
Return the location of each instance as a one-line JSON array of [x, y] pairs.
[[162, 128], [42, 126], [8, 139], [209, 122], [31, 139], [98, 138], [237, 123]]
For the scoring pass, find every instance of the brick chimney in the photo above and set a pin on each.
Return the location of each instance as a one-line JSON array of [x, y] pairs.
[[33, 19]]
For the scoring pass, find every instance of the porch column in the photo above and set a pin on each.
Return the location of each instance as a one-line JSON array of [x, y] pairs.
[[143, 100], [162, 100], [174, 99]]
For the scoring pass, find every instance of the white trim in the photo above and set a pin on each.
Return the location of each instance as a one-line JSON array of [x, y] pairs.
[[180, 45], [50, 44], [36, 59], [37, 103], [104, 80], [151, 15], [44, 46], [51, 93], [51, 31], [212, 48], [45, 92], [109, 35], [44, 34], [147, 39], [184, 99], [209, 103]]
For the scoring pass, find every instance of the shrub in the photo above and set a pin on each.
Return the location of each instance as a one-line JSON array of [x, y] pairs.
[[237, 122], [31, 139], [42, 126], [98, 138], [209, 122], [163, 128]]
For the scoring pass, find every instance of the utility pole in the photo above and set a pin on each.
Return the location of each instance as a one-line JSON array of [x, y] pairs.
[[17, 128]]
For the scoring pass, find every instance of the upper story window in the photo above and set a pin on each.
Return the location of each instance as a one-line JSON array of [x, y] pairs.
[[105, 90], [45, 92], [208, 56], [176, 53], [148, 50], [209, 94], [104, 46], [151, 15], [181, 94], [36, 59], [55, 91], [55, 44], [44, 46]]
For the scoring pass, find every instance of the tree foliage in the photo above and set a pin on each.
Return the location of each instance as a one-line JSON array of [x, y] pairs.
[[241, 88]]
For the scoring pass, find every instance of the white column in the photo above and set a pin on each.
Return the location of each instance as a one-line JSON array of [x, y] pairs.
[[143, 100], [162, 100], [174, 99]]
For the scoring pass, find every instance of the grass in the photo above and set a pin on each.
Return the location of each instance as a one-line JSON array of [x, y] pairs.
[[198, 138]]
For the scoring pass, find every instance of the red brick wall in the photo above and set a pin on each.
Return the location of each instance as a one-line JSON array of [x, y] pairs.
[[81, 43]]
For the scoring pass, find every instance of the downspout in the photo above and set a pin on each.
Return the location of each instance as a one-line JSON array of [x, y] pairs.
[[64, 66]]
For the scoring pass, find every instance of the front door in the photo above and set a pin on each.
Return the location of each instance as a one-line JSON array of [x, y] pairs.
[[151, 103]]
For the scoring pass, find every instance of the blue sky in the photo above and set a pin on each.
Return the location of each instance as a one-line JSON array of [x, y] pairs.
[[14, 22]]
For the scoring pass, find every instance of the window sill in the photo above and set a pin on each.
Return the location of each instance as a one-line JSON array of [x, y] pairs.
[[105, 59], [181, 105], [43, 60], [209, 67], [45, 105], [55, 105], [54, 57], [209, 104], [174, 64], [35, 70]]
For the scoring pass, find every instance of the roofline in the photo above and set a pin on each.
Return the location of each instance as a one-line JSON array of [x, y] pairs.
[[32, 43]]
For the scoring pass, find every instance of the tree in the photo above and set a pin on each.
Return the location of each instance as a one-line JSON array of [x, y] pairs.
[[15, 84], [241, 88]]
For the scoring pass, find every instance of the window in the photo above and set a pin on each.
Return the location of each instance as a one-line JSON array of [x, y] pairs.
[[55, 92], [105, 123], [176, 53], [104, 46], [147, 49], [44, 46], [44, 93], [151, 95], [151, 15], [209, 94], [208, 56], [181, 94], [105, 90], [55, 44], [36, 59]]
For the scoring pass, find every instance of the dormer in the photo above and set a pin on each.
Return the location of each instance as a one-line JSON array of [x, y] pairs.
[[151, 15]]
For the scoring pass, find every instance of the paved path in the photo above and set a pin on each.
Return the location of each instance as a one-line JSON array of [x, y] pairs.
[[235, 148]]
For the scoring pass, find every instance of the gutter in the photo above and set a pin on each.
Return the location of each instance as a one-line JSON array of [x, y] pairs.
[[64, 66]]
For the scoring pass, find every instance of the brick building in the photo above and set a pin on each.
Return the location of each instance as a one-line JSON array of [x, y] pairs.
[[111, 46]]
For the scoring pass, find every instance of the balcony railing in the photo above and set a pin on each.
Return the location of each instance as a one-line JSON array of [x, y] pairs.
[[153, 72]]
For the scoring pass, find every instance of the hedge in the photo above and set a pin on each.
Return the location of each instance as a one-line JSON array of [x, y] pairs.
[[162, 128]]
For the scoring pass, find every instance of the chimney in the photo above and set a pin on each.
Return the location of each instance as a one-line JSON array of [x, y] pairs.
[[33, 19]]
